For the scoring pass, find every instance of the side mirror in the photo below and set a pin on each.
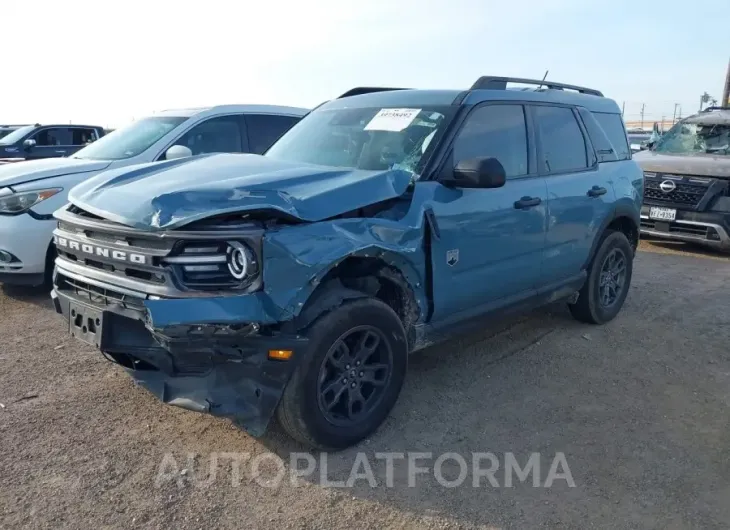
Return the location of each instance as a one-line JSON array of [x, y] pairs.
[[178, 151], [29, 144], [480, 172]]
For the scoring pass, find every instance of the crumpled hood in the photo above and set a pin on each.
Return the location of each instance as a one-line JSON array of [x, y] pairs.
[[699, 165], [170, 194], [32, 170]]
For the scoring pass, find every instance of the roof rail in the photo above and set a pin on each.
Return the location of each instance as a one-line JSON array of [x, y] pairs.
[[488, 82], [710, 109], [366, 90]]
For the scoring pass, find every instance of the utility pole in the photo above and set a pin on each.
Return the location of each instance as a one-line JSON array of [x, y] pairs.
[[726, 91], [623, 106], [642, 115], [674, 116]]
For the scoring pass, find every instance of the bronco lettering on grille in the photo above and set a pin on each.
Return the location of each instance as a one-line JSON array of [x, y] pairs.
[[95, 250]]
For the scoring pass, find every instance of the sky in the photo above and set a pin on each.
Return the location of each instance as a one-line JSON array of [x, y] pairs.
[[107, 62]]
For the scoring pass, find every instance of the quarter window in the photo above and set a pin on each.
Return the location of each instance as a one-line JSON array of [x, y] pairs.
[[563, 145], [613, 126], [497, 131], [217, 135]]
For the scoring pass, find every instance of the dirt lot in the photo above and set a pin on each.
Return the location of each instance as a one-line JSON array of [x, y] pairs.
[[638, 407]]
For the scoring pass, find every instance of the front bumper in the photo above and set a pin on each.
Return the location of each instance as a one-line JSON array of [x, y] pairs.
[[27, 241], [711, 229], [196, 365]]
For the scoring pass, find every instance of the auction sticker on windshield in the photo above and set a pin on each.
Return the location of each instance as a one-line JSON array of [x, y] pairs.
[[392, 119]]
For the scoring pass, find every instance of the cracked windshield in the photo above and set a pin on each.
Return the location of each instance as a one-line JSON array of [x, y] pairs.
[[696, 138], [373, 139]]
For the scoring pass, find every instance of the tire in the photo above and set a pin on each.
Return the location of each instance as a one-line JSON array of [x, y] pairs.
[[589, 308], [301, 409], [50, 264]]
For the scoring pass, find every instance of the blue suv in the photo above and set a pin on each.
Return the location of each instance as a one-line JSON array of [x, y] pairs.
[[296, 283]]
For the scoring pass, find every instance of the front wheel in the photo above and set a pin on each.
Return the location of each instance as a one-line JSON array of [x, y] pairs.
[[351, 377], [609, 278]]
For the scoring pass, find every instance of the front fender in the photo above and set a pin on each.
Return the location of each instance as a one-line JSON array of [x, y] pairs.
[[297, 258]]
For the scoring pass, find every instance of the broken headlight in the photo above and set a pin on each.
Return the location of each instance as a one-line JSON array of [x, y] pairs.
[[215, 265]]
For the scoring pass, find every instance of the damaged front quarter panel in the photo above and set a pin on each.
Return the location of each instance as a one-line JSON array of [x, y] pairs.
[[298, 258], [216, 347]]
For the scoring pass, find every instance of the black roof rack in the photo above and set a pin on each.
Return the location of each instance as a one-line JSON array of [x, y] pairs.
[[488, 82], [711, 109], [366, 90]]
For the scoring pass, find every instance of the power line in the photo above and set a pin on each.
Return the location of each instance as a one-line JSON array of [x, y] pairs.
[[642, 115]]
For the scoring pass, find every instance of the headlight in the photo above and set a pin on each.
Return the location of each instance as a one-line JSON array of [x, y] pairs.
[[19, 202], [215, 265], [239, 259]]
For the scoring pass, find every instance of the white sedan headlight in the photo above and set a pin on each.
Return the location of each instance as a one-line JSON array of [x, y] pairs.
[[14, 203]]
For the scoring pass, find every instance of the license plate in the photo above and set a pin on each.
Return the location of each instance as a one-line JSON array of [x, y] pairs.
[[85, 323], [665, 214]]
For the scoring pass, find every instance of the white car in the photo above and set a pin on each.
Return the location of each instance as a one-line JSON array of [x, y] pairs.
[[31, 191]]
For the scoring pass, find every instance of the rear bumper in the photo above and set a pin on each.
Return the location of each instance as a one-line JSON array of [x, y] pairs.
[[221, 370]]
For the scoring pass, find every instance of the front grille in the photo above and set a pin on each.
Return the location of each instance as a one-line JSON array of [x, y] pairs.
[[97, 295], [167, 264], [201, 264], [684, 194]]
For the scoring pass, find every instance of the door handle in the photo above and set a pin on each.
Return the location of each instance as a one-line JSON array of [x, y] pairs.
[[597, 191], [527, 202]]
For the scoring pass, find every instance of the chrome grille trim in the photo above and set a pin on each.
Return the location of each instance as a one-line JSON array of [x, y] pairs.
[[168, 264]]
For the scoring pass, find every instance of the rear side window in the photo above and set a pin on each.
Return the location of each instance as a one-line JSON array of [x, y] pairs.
[[83, 135], [265, 129], [613, 126], [563, 145], [497, 131]]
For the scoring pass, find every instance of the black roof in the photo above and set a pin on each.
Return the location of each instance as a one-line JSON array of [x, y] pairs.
[[488, 82]]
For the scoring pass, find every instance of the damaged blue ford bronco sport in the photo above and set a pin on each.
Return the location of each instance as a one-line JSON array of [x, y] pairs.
[[296, 283]]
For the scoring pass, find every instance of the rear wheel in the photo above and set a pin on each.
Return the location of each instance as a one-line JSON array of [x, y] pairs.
[[609, 279], [351, 377]]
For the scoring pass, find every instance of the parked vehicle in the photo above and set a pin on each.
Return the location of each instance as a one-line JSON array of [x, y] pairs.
[[687, 181], [640, 140], [7, 129], [31, 191], [298, 282], [46, 141]]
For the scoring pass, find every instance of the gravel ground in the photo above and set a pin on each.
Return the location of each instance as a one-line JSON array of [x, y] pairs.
[[639, 408]]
